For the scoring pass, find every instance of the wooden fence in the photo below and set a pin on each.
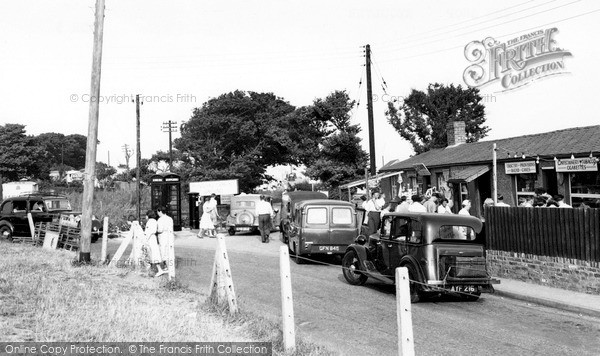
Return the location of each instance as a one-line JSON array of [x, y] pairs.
[[554, 232]]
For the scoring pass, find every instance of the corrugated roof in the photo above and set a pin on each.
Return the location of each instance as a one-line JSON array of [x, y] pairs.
[[578, 141]]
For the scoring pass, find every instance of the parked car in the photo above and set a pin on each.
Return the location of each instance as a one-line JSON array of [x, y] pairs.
[[442, 253], [321, 226], [288, 203], [242, 214], [43, 208]]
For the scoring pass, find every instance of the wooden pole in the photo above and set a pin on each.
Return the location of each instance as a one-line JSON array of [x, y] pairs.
[[287, 302], [92, 139], [139, 157], [495, 176], [104, 240], [406, 343], [31, 226]]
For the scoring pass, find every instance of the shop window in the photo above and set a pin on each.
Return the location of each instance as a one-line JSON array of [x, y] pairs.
[[585, 189], [526, 185]]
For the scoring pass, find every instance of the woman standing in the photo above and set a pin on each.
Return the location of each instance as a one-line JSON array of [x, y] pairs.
[[152, 242], [206, 222]]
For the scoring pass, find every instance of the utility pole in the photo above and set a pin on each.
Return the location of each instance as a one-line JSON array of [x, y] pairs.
[[370, 111], [170, 126], [139, 157], [128, 153], [92, 139]]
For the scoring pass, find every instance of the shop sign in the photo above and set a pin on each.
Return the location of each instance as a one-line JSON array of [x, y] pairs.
[[577, 165], [421, 169], [520, 167]]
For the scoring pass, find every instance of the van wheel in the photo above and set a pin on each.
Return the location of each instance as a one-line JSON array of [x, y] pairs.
[[415, 287], [351, 269], [298, 258], [6, 233]]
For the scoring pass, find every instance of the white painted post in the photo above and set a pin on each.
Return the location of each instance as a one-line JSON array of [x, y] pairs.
[[287, 302], [225, 272], [406, 343], [122, 248], [31, 226], [171, 254], [214, 277], [104, 240]]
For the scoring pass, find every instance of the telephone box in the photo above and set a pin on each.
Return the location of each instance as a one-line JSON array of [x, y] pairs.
[[165, 190]]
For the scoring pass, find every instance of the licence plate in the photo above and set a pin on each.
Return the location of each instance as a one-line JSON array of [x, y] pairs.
[[464, 289], [329, 248]]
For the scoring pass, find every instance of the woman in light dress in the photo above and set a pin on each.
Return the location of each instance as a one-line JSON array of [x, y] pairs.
[[206, 222]]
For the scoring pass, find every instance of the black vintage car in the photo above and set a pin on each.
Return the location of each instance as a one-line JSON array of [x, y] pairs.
[[43, 208], [442, 253]]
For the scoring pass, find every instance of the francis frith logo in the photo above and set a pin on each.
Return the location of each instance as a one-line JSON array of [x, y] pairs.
[[516, 62]]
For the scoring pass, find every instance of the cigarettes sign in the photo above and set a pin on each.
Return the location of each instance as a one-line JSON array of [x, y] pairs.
[[520, 167], [577, 165]]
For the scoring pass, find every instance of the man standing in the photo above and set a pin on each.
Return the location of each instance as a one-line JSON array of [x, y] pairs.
[[431, 203], [372, 213], [264, 210], [166, 239], [416, 206]]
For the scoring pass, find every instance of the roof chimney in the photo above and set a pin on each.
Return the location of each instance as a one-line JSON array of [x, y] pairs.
[[456, 133]]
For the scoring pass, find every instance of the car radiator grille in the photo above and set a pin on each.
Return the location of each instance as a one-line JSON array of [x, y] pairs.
[[462, 267]]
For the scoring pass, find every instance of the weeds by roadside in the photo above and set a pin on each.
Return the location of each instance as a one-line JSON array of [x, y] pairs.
[[45, 296]]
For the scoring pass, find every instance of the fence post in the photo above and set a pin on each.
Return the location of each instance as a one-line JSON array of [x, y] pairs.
[[287, 302], [31, 226], [104, 240], [122, 247], [171, 255], [221, 282], [406, 343]]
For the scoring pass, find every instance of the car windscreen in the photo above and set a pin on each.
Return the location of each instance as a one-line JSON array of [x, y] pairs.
[[57, 204], [456, 232]]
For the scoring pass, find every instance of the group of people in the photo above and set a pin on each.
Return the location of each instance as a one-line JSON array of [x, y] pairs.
[[209, 217], [159, 238]]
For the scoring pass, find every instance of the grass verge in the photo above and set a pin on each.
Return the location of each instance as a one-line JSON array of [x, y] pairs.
[[44, 296]]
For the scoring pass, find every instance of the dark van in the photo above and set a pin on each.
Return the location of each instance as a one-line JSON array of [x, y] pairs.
[[288, 203], [321, 227]]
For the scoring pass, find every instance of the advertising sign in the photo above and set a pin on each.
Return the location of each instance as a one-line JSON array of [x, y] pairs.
[[219, 187], [577, 165], [520, 167]]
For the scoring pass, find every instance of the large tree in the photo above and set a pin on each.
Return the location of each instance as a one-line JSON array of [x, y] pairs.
[[340, 157], [18, 153], [423, 116], [238, 135], [61, 151]]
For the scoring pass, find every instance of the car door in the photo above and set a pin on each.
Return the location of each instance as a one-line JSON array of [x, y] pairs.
[[315, 229], [400, 235], [18, 218]]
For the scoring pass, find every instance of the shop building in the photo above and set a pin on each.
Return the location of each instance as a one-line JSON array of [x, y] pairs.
[[562, 162]]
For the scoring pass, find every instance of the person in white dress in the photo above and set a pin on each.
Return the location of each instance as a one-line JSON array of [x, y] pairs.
[[166, 238], [206, 223], [152, 243]]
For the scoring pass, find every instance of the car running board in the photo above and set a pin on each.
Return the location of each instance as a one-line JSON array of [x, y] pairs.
[[374, 273]]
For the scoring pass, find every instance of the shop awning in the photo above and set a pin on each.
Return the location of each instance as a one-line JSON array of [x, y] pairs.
[[467, 175], [374, 178]]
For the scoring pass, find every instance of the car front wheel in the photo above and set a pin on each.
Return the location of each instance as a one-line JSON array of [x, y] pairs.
[[6, 233], [351, 269]]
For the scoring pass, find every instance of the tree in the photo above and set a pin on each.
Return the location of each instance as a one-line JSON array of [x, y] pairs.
[[340, 157], [426, 115], [18, 153], [61, 152], [238, 135]]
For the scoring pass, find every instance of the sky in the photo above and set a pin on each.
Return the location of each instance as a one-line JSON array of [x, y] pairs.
[[178, 54]]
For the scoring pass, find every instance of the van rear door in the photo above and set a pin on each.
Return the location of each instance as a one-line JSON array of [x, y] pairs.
[[342, 227]]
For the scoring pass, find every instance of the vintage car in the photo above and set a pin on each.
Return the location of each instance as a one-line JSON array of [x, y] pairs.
[[288, 203], [43, 208], [321, 226], [442, 253], [242, 214]]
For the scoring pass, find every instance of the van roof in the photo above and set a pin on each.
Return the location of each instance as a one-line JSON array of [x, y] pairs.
[[324, 202]]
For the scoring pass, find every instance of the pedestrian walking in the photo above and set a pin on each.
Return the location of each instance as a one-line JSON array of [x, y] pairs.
[[264, 210], [166, 237], [206, 224]]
